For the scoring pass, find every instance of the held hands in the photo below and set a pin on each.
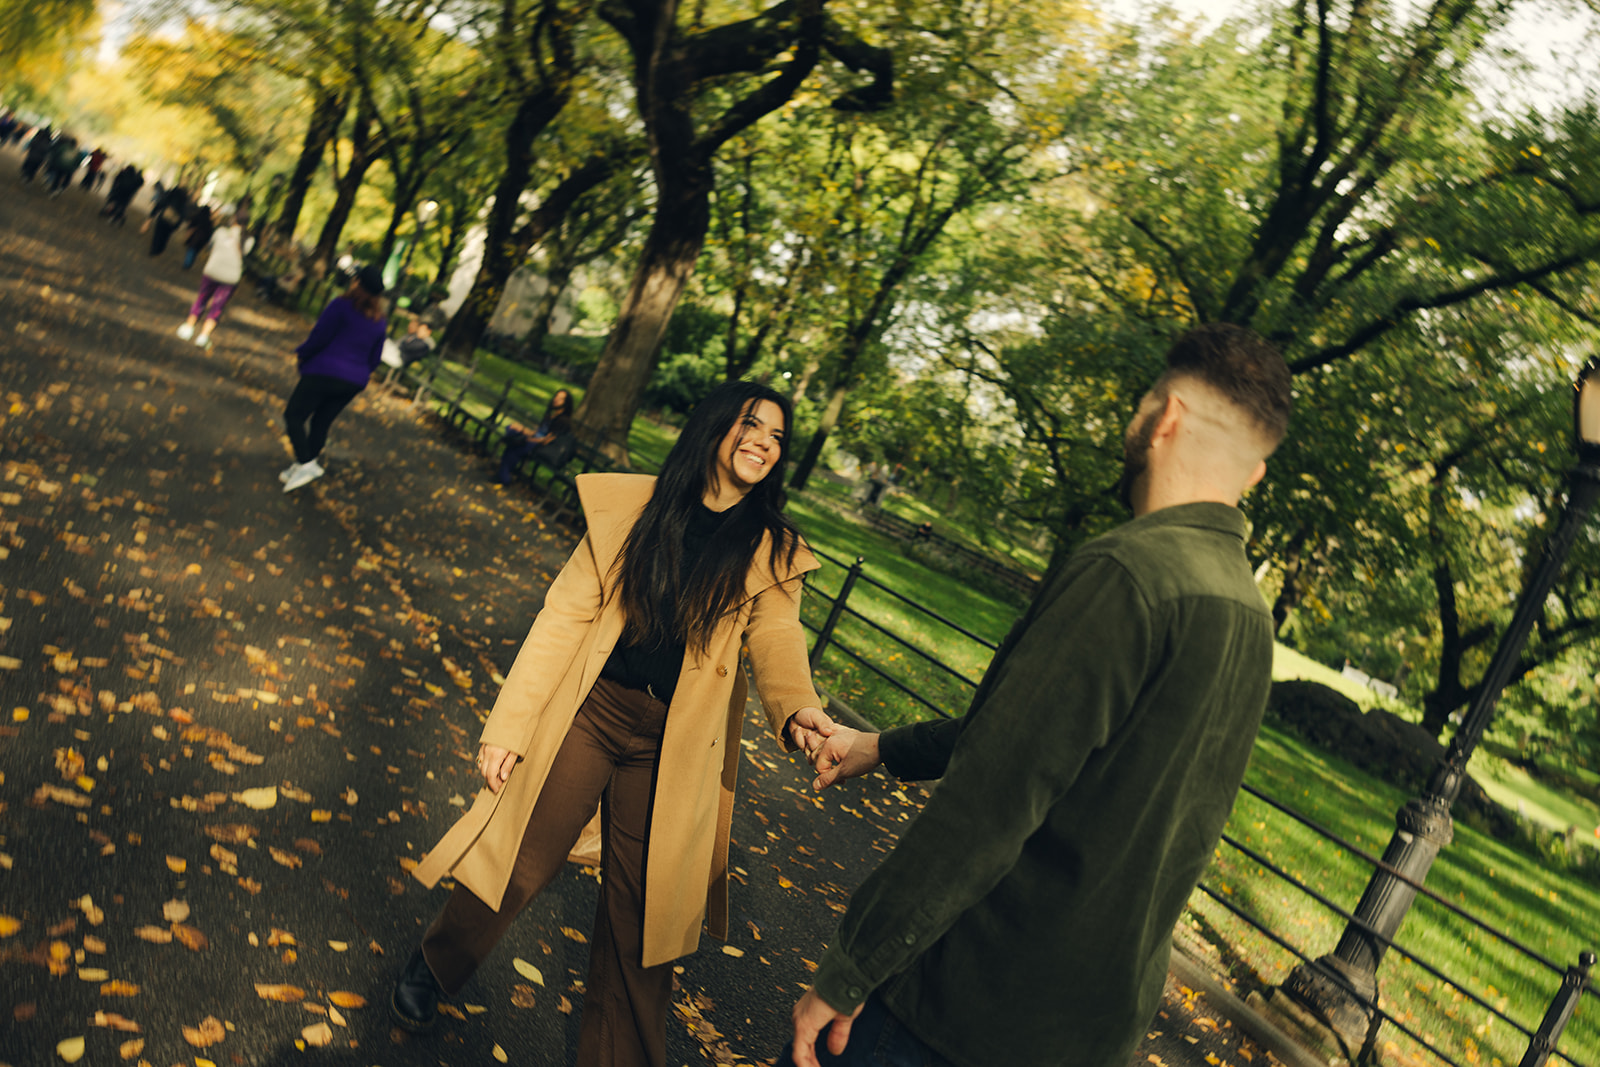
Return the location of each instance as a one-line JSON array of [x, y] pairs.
[[495, 764], [834, 750], [811, 1014]]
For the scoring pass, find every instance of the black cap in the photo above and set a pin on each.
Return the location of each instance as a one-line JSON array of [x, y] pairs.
[[371, 279]]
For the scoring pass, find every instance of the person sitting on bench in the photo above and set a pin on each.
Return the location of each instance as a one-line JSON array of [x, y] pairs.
[[551, 444]]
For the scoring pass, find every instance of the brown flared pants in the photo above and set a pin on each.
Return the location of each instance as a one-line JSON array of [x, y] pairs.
[[609, 757]]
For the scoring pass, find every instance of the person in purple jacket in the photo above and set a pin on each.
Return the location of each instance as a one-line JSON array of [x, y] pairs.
[[336, 362]]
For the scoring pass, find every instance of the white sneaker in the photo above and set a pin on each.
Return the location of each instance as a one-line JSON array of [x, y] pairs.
[[185, 332], [204, 340], [303, 474], [287, 472]]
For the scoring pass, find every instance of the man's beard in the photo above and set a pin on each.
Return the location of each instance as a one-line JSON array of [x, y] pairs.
[[1135, 458]]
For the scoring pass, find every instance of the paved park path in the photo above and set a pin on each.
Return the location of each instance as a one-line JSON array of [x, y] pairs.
[[231, 719]]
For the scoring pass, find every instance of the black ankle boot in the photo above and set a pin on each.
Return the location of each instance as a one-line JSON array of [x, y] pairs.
[[415, 1002]]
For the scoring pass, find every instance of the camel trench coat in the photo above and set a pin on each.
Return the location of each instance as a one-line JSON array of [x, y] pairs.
[[686, 879]]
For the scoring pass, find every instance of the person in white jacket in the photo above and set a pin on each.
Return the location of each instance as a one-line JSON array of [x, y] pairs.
[[220, 277]]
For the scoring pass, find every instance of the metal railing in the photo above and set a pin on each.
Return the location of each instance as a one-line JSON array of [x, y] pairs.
[[1574, 980], [827, 635]]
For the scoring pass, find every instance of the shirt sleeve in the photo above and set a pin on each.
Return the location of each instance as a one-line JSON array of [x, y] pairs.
[[1068, 684], [326, 329], [922, 750]]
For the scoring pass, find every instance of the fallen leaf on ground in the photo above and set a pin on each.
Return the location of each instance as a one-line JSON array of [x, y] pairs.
[[564, 1006], [287, 859], [475, 1009], [93, 974], [729, 950], [283, 994], [119, 988], [208, 1033], [528, 971], [175, 911], [9, 925], [131, 1048], [153, 934], [190, 937], [335, 1018], [258, 799], [115, 1022], [339, 946], [70, 1050], [231, 833], [575, 935], [500, 1054], [347, 1000], [522, 996], [318, 1035], [177, 864]]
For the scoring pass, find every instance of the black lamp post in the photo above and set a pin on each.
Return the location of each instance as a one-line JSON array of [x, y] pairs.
[[1424, 825]]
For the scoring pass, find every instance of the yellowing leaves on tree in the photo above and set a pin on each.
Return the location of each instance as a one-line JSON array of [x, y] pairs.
[[528, 971]]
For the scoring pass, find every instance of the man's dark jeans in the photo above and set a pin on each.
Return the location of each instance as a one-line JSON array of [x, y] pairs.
[[877, 1039]]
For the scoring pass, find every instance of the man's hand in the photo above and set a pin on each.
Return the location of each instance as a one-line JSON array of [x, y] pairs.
[[845, 753], [808, 728], [495, 764], [811, 1014]]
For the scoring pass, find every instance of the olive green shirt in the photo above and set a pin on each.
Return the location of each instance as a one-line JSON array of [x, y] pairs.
[[1026, 916]]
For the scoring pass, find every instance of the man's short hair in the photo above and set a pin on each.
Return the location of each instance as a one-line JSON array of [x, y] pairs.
[[1241, 365]]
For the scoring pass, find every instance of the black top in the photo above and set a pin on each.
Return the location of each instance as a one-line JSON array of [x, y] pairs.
[[655, 669]]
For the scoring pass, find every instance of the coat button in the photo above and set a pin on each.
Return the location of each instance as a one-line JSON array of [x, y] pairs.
[[722, 672]]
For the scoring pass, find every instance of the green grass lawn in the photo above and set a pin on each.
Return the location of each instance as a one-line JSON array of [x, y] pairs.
[[1555, 915]]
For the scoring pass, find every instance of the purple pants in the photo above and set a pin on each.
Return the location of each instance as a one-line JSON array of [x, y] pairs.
[[214, 293]]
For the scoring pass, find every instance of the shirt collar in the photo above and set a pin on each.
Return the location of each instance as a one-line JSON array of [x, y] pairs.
[[1203, 514]]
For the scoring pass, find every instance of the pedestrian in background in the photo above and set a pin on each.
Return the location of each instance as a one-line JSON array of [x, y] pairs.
[[219, 277], [124, 187], [336, 362], [167, 213], [201, 226]]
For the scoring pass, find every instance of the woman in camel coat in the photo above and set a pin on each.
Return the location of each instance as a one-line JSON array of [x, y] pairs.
[[578, 725]]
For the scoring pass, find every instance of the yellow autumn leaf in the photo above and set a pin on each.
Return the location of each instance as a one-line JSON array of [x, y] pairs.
[[177, 864], [500, 1054], [339, 946], [258, 799], [574, 935], [347, 1000], [321, 815], [93, 974], [175, 911], [475, 1009], [119, 988], [9, 925], [335, 1018], [528, 971], [283, 994], [318, 1035], [131, 1048], [729, 950], [70, 1050]]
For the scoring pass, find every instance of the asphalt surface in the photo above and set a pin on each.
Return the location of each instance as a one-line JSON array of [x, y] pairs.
[[232, 718]]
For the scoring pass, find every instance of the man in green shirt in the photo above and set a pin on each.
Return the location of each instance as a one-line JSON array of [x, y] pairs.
[[1026, 917]]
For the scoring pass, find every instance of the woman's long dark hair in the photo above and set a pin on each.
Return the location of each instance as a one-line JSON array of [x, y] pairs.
[[660, 602], [552, 413]]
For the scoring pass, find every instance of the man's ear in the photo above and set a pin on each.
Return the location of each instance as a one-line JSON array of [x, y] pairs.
[[1168, 419], [1256, 475]]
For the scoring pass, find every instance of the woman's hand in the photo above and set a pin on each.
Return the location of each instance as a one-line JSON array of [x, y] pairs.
[[808, 728], [495, 764]]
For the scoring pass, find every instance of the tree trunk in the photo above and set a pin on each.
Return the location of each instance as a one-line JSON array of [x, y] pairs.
[[634, 343], [467, 327], [556, 280], [327, 112], [347, 186], [1291, 590], [825, 425]]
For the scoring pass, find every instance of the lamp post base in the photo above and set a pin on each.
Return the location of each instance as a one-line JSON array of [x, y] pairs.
[[1335, 1002]]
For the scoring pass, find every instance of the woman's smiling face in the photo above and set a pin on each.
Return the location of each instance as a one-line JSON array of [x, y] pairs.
[[751, 446]]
